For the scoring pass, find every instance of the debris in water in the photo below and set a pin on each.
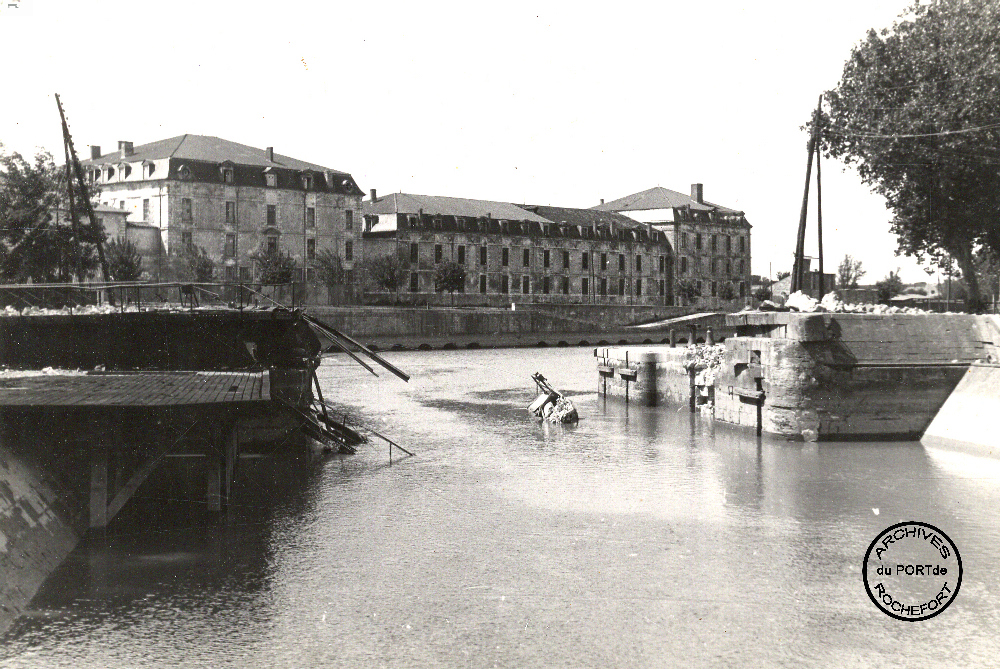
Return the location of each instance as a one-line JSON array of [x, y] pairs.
[[550, 404]]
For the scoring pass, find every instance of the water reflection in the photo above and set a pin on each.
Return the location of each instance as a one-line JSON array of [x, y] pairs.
[[639, 537]]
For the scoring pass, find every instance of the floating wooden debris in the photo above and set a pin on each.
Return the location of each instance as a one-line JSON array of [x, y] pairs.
[[551, 405]]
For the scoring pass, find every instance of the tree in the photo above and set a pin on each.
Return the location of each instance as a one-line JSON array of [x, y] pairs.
[[687, 290], [449, 277], [274, 267], [329, 268], [36, 242], [387, 272], [124, 260], [783, 275], [762, 293], [200, 267], [915, 114], [727, 291], [889, 287], [849, 272]]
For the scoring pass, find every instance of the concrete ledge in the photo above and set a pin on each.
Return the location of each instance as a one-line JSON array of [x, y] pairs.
[[967, 421]]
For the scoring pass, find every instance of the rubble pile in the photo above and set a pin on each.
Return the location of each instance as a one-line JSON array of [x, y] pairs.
[[560, 411], [799, 301]]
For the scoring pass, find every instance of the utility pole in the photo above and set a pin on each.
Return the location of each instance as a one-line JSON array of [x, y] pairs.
[[800, 243]]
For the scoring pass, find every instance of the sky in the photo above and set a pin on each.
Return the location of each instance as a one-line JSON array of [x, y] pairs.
[[535, 103]]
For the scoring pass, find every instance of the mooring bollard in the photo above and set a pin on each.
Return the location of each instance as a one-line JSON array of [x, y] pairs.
[[708, 337], [673, 338], [694, 335]]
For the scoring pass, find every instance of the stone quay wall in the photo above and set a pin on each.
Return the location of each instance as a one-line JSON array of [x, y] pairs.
[[818, 376]]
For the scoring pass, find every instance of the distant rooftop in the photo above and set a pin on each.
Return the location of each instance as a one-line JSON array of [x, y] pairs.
[[409, 203], [207, 149], [661, 198]]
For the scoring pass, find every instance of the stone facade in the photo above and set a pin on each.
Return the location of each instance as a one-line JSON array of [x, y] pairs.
[[711, 243], [232, 200], [535, 255]]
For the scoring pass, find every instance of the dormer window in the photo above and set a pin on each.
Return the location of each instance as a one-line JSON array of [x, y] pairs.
[[307, 181], [270, 178], [111, 172], [227, 175], [124, 169], [148, 166], [184, 172]]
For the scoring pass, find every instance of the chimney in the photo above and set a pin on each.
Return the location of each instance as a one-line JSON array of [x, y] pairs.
[[270, 154], [698, 193], [95, 152], [602, 200], [373, 195], [125, 148]]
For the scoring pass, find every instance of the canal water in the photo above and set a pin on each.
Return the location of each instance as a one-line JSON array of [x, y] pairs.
[[637, 538]]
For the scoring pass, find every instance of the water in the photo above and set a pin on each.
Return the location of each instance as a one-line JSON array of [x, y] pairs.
[[641, 537]]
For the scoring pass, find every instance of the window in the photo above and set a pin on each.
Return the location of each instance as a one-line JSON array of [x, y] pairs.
[[348, 251], [271, 179], [244, 273], [349, 276], [684, 240], [414, 250], [604, 261], [638, 287], [741, 267], [461, 255], [230, 272], [743, 289], [227, 175], [584, 286], [504, 284], [729, 267], [661, 287], [310, 217], [272, 215], [638, 263], [482, 255], [663, 264], [545, 260], [414, 282], [438, 253], [729, 244], [684, 264], [231, 214], [505, 258], [699, 287], [311, 249], [697, 241], [621, 286], [715, 242], [307, 181], [230, 245], [621, 262], [585, 262], [545, 284], [482, 284], [565, 259], [186, 206], [527, 257], [742, 245], [565, 282], [714, 266], [604, 286], [186, 239], [714, 291], [525, 285], [348, 219], [272, 244], [145, 210]]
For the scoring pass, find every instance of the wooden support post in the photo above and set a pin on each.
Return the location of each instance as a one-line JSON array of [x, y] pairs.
[[99, 483], [232, 453], [213, 467]]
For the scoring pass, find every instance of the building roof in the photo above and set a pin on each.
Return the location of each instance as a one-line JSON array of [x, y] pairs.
[[207, 149], [408, 203], [585, 217], [661, 198]]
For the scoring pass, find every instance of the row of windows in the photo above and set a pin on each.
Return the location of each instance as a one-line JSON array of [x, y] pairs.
[[715, 243], [526, 258], [553, 284], [271, 214], [271, 244], [716, 266]]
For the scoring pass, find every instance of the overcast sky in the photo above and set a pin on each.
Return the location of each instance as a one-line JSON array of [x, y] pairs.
[[538, 103]]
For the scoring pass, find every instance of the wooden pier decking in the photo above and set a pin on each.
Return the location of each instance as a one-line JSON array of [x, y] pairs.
[[139, 389]]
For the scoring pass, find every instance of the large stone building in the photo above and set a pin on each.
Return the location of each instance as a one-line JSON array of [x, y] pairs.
[[711, 243], [232, 200], [521, 253]]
